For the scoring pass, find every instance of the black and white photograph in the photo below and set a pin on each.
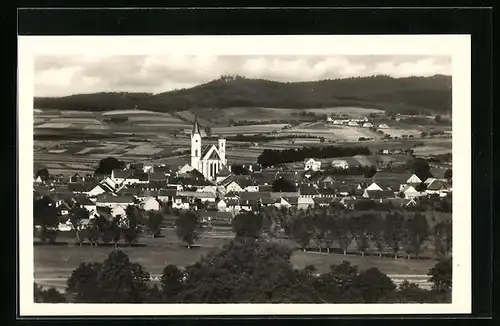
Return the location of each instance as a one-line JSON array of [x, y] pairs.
[[327, 172]]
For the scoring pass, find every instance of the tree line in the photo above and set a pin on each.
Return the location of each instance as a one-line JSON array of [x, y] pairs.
[[242, 271], [410, 95], [270, 157]]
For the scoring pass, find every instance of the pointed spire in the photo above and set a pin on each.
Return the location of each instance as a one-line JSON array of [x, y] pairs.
[[196, 127]]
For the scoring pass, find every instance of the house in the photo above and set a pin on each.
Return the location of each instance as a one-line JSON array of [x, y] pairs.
[[106, 200], [185, 169], [150, 204], [193, 195], [282, 203], [322, 201], [231, 195], [211, 188], [340, 164], [348, 202], [327, 192], [222, 174], [438, 187], [85, 202], [308, 191], [180, 203], [374, 186], [157, 176], [265, 188], [38, 180], [222, 206], [410, 192], [337, 122], [383, 126], [367, 125], [378, 194], [233, 186], [353, 123], [305, 202], [119, 176], [118, 211], [233, 206], [414, 180], [312, 164]]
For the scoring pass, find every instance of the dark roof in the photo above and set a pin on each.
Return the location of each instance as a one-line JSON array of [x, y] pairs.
[[204, 150], [247, 195], [231, 194], [224, 172], [83, 200], [82, 186], [292, 200], [266, 188], [267, 200], [377, 194], [308, 190], [327, 191], [167, 192], [123, 174], [194, 173], [157, 176], [322, 200], [106, 187], [196, 127], [436, 185], [106, 198], [245, 182]]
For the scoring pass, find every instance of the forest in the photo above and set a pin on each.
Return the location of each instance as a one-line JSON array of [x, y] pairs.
[[411, 95]]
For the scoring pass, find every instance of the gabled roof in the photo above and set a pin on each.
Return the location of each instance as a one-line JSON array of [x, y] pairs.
[[308, 190], [205, 150], [414, 179], [292, 200], [214, 156], [437, 185], [266, 188], [322, 200], [231, 194], [254, 195], [167, 192], [84, 200]]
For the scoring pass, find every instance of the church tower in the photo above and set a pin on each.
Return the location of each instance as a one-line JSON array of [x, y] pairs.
[[195, 146], [222, 152]]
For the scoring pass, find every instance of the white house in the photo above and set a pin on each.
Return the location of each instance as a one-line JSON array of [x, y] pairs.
[[305, 202], [251, 188], [410, 192], [383, 126], [233, 186], [118, 211], [38, 180], [374, 186], [282, 203], [367, 125], [437, 187], [212, 189], [414, 179], [353, 123], [185, 169], [222, 206], [328, 119], [312, 164], [150, 204], [337, 122], [180, 203], [340, 164], [119, 176]]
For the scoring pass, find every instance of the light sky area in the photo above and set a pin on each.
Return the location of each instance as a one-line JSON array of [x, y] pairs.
[[67, 75]]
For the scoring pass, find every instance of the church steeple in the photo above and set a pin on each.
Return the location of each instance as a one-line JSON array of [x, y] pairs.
[[196, 127]]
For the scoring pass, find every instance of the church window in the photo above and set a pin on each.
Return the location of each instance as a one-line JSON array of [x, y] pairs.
[[195, 152]]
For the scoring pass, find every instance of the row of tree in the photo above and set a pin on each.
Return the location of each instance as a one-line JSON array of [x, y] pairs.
[[242, 271], [271, 157], [328, 227]]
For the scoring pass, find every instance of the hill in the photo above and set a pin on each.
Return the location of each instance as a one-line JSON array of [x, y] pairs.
[[403, 95]]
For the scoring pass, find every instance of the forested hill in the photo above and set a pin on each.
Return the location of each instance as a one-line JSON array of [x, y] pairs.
[[405, 95]]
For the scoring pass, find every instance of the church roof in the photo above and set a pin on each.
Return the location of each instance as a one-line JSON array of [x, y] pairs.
[[196, 127], [214, 156], [205, 150]]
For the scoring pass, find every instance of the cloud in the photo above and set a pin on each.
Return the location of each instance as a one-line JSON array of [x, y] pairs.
[[66, 75]]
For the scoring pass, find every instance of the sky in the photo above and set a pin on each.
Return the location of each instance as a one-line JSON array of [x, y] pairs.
[[67, 75]]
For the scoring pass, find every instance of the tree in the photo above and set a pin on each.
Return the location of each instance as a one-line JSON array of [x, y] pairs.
[[421, 168], [121, 281], [77, 215], [438, 118], [393, 232], [240, 170], [442, 236], [441, 275], [153, 223], [246, 271], [171, 282], [374, 285], [247, 225], [412, 293], [45, 217], [282, 185], [301, 229], [448, 174], [344, 232], [208, 131], [43, 174], [339, 284], [50, 295], [416, 232], [186, 228], [108, 164], [361, 229], [83, 283]]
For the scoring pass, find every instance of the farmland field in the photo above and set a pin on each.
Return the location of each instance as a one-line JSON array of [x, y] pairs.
[[248, 129], [346, 110]]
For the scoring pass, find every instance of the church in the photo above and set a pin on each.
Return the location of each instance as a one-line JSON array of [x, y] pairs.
[[210, 159]]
